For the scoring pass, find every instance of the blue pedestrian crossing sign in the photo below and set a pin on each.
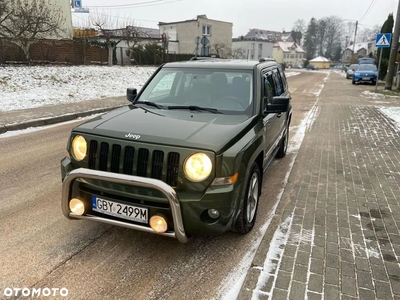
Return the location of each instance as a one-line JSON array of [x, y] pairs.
[[383, 40]]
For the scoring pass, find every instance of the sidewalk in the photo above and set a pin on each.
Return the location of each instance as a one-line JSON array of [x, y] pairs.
[[337, 231], [34, 117]]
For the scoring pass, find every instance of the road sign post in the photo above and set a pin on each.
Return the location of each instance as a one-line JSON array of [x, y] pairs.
[[382, 41]]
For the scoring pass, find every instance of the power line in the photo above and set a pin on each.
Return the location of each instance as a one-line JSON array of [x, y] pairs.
[[140, 4], [368, 9]]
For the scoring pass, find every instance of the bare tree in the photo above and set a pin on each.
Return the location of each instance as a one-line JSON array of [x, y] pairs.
[[300, 26], [368, 34], [113, 33], [5, 10], [221, 49], [28, 21], [238, 53], [322, 26], [334, 28], [133, 35]]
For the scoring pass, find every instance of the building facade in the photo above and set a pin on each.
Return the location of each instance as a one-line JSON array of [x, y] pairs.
[[288, 53], [65, 7], [186, 37], [359, 50]]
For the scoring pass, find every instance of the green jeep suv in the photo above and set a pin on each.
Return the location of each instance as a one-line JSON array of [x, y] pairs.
[[187, 156]]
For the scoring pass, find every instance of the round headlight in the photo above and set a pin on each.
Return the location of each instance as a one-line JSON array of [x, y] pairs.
[[79, 147], [197, 167]]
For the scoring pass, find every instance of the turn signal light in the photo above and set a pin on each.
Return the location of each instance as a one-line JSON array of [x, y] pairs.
[[158, 223]]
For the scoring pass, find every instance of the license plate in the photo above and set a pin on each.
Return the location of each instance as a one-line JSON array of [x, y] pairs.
[[128, 212], [366, 78]]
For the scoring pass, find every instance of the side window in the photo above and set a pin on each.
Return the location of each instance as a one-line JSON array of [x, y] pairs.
[[284, 81], [277, 83], [269, 88]]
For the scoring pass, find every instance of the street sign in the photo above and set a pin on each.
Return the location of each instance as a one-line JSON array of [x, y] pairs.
[[77, 3], [383, 40], [204, 41]]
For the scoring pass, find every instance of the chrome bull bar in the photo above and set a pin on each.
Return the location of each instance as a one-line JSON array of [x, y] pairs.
[[145, 182]]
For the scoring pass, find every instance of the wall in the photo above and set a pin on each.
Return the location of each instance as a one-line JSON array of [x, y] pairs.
[[46, 51]]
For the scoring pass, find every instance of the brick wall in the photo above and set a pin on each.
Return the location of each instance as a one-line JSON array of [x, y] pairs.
[[71, 52]]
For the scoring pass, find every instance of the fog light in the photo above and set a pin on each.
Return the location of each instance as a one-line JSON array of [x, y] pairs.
[[158, 223], [77, 207], [213, 213]]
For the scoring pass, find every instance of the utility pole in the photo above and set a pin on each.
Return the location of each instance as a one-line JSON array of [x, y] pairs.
[[354, 43], [393, 51]]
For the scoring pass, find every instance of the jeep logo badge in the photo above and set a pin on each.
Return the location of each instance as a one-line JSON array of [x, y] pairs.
[[132, 136]]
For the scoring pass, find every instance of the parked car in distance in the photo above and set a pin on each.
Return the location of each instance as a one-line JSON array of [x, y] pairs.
[[350, 70], [366, 60], [297, 66], [187, 156], [365, 73], [312, 67]]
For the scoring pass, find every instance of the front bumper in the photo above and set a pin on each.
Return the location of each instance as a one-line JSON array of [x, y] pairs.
[[158, 185], [186, 209], [366, 78]]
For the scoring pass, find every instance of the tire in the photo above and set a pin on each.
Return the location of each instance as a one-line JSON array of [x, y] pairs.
[[353, 82], [283, 144], [248, 210], [373, 82]]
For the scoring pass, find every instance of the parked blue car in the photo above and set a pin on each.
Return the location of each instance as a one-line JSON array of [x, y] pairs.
[[365, 73]]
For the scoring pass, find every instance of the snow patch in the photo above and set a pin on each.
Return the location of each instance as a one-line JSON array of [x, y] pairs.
[[275, 253], [371, 95], [26, 87]]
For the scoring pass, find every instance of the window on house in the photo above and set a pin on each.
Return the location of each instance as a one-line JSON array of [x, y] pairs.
[[260, 47], [291, 55], [253, 46], [206, 30]]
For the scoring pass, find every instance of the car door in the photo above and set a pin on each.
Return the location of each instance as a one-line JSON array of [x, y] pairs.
[[270, 119], [282, 87]]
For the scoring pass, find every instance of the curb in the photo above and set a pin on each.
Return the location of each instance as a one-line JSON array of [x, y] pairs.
[[52, 120]]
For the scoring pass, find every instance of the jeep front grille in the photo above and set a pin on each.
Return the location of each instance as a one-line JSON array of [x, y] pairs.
[[131, 161]]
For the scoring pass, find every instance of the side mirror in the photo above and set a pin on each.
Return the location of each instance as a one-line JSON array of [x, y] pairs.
[[279, 105], [131, 94]]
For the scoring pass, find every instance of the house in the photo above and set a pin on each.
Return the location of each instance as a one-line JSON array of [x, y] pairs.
[[360, 50], [135, 35], [255, 44], [321, 62], [289, 53], [201, 36]]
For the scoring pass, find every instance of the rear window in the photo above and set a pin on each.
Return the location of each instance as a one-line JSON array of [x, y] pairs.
[[353, 67], [367, 68]]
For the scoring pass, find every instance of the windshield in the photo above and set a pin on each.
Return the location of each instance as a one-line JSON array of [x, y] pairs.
[[353, 67], [367, 68], [228, 91]]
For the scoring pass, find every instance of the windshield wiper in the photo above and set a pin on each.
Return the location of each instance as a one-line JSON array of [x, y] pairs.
[[195, 107], [149, 103]]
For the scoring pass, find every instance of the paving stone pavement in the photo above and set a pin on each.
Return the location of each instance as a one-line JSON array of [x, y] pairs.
[[339, 235]]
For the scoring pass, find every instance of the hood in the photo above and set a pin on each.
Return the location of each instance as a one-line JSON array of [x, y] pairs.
[[183, 128]]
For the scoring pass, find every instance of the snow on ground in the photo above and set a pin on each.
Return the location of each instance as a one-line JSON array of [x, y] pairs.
[[24, 87], [392, 113]]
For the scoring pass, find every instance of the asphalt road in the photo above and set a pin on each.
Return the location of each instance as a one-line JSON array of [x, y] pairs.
[[40, 248]]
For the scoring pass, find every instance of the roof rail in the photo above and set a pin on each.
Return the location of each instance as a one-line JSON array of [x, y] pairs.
[[264, 59]]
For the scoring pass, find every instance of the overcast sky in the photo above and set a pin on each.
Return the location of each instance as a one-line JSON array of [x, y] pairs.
[[274, 15]]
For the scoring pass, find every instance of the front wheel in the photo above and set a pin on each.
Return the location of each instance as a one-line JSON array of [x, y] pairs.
[[353, 82], [248, 210]]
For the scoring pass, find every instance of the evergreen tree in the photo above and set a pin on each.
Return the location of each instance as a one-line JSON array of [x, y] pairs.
[[310, 40], [387, 27]]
